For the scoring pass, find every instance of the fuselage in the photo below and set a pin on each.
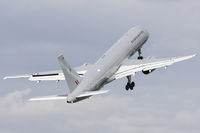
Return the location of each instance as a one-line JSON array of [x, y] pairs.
[[102, 71]]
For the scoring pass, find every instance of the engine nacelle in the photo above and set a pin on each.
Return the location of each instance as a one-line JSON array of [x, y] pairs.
[[148, 71]]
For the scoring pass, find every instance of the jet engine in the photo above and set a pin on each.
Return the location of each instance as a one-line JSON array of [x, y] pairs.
[[148, 71]]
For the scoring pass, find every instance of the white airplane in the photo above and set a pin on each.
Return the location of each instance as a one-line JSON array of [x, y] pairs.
[[87, 80]]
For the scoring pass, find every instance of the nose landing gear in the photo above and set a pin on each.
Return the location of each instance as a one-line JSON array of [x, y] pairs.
[[130, 85], [140, 57]]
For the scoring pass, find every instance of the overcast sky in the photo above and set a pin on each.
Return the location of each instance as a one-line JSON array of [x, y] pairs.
[[34, 32]]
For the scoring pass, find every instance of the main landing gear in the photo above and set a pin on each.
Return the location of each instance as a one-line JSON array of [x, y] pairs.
[[130, 85], [140, 57]]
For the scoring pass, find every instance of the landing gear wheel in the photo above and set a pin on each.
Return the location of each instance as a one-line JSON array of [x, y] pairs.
[[127, 87], [132, 85], [140, 58]]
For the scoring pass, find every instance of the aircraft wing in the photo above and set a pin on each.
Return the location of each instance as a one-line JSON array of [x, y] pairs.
[[64, 97], [51, 75], [130, 67]]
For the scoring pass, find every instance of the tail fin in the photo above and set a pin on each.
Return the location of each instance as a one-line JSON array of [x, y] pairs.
[[71, 76]]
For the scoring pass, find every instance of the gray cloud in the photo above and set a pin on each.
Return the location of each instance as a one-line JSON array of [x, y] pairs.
[[95, 115]]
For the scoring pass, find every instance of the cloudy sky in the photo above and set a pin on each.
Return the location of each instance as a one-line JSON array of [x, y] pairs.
[[34, 32]]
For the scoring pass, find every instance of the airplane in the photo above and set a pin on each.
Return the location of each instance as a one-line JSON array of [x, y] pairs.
[[87, 80]]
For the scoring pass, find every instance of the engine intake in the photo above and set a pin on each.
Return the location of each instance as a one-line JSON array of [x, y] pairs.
[[148, 71]]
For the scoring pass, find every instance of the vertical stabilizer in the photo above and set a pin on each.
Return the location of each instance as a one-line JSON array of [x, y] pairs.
[[71, 76]]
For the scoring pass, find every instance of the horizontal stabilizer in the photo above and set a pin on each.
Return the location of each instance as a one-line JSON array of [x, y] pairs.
[[64, 97], [15, 77], [46, 98], [91, 93]]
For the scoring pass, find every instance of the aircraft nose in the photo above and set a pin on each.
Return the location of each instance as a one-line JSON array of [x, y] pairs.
[[139, 28]]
